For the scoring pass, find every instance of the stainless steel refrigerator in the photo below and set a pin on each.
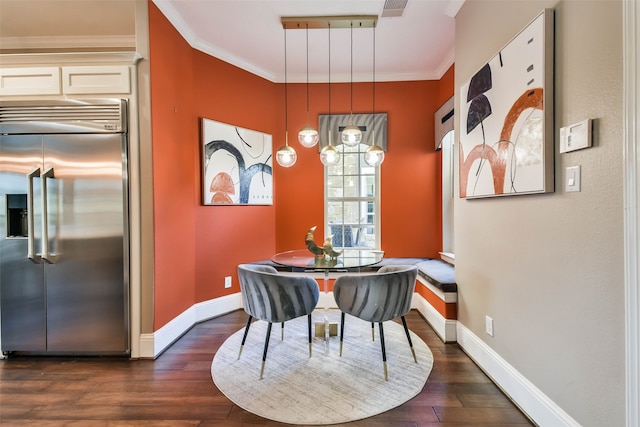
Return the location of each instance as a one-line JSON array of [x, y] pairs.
[[64, 271]]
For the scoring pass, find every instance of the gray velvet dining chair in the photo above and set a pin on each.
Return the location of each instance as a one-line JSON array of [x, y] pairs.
[[275, 298], [377, 298]]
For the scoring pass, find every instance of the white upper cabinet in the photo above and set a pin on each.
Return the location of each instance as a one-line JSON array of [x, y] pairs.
[[67, 80], [30, 81]]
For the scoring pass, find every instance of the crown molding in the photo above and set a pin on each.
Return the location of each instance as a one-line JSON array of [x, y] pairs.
[[69, 58], [68, 42]]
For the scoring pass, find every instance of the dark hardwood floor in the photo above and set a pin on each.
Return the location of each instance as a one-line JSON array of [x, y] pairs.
[[176, 389]]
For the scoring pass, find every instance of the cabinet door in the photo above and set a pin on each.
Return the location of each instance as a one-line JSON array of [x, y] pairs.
[[22, 293], [30, 81], [96, 79]]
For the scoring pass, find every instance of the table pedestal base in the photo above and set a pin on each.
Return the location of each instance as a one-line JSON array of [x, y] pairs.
[[320, 329]]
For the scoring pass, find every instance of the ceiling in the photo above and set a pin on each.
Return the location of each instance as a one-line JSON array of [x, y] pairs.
[[417, 45]]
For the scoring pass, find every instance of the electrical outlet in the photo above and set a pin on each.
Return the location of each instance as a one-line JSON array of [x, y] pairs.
[[227, 282], [489, 325]]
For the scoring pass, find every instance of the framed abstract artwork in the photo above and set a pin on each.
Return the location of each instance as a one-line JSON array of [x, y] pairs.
[[506, 118], [237, 165]]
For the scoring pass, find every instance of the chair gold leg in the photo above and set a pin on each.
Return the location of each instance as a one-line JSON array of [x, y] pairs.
[[244, 336], [373, 337], [240, 352], [384, 351], [406, 330], [266, 347], [282, 332], [340, 348]]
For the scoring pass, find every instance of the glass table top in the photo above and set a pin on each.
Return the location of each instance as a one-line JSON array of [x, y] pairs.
[[349, 258]]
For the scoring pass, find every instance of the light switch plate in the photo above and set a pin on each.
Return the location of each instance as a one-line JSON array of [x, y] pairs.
[[572, 178]]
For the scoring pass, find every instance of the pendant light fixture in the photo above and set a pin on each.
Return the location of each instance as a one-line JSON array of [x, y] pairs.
[[308, 136], [286, 156], [329, 155], [374, 154], [351, 135]]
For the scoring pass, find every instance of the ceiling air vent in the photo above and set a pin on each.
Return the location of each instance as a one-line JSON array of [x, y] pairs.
[[393, 8]]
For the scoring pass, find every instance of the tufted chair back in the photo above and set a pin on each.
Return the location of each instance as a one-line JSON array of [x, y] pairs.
[[377, 297], [273, 297]]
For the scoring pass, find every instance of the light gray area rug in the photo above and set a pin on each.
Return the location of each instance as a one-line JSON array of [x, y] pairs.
[[326, 388]]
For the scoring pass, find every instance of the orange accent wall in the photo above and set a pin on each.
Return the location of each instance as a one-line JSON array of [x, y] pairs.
[[196, 246], [173, 169], [229, 235], [410, 174]]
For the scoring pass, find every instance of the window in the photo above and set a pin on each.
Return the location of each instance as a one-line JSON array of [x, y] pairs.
[[352, 200], [447, 192], [444, 139]]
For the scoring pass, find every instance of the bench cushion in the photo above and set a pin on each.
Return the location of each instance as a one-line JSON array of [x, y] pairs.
[[438, 273]]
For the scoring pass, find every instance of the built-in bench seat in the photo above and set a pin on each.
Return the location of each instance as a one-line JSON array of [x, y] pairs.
[[438, 291], [439, 273]]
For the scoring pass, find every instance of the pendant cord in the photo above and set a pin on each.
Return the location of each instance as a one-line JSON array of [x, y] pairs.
[[329, 69], [374, 70], [329, 83], [352, 70], [373, 112], [286, 93], [307, 73]]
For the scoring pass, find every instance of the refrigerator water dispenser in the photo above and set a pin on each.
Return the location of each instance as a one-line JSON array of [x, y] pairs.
[[17, 215]]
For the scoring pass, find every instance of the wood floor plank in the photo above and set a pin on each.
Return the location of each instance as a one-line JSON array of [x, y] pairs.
[[176, 389], [483, 401], [480, 416]]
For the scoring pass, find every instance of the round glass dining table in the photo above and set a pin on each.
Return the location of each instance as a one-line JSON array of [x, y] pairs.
[[348, 260]]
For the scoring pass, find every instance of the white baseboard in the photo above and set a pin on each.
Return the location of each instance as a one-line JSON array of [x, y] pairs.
[[218, 306], [445, 328], [542, 410], [152, 345]]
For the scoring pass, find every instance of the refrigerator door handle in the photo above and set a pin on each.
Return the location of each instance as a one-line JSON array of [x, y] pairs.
[[30, 218], [48, 257]]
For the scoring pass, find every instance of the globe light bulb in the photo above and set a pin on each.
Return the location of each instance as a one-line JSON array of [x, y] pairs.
[[286, 156], [308, 137], [374, 156], [351, 136], [329, 155]]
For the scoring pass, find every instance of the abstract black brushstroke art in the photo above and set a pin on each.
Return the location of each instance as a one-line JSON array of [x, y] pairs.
[[506, 140], [237, 165]]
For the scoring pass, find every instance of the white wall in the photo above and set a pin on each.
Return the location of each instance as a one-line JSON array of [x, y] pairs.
[[549, 268]]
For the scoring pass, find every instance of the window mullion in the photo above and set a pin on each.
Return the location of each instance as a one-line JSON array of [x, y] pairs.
[[351, 201]]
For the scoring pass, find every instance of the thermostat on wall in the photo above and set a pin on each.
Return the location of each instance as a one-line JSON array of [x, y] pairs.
[[576, 136]]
